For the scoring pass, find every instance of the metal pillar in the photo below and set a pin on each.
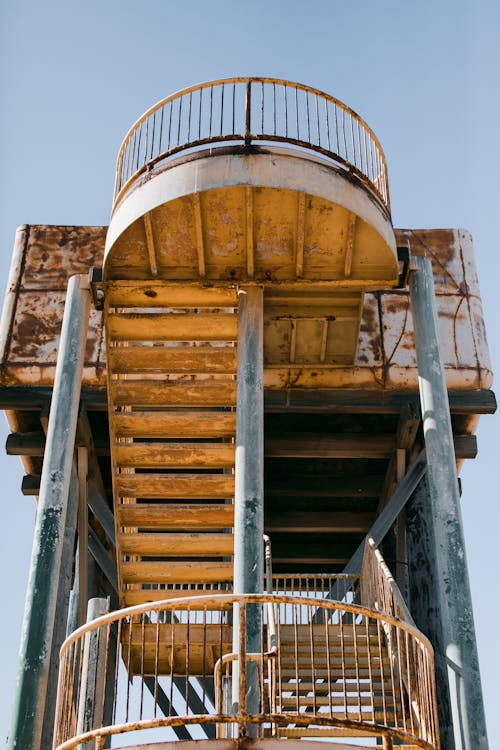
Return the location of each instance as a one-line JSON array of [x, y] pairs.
[[93, 680], [43, 583], [249, 483], [456, 649]]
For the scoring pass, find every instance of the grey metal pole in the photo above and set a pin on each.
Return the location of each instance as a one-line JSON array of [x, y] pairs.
[[93, 679], [457, 652], [43, 583], [249, 478]]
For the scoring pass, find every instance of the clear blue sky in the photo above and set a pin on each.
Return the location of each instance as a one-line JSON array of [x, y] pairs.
[[425, 75]]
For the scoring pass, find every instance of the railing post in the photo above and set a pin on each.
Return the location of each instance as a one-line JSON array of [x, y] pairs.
[[456, 650], [249, 484], [48, 539], [93, 675], [248, 113]]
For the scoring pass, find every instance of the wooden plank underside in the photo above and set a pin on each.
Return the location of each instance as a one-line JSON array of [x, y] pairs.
[[159, 393], [175, 455], [172, 359], [172, 327], [162, 294], [177, 545], [176, 486], [175, 424], [174, 516], [318, 522], [178, 572]]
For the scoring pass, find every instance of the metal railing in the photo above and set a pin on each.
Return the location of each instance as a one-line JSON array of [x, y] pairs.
[[355, 671], [249, 110]]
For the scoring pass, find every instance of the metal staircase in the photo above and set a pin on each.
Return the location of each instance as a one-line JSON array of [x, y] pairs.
[[172, 362]]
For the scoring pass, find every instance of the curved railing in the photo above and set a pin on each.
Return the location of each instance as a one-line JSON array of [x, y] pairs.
[[248, 110], [322, 668]]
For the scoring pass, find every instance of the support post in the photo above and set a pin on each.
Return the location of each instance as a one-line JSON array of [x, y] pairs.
[[43, 583], [456, 650], [92, 691], [249, 485]]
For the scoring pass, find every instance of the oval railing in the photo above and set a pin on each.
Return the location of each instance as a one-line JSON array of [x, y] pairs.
[[248, 110], [322, 669]]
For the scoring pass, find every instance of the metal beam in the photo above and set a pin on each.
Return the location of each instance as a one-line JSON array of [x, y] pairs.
[[457, 642], [41, 598], [249, 481]]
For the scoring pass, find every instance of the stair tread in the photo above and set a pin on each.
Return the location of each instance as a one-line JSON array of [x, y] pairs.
[[185, 359], [175, 424], [144, 393], [157, 455], [175, 486], [177, 545], [170, 295], [176, 516], [179, 572], [172, 327]]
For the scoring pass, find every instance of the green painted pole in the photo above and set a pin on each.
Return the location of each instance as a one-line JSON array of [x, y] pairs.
[[455, 650], [43, 584]]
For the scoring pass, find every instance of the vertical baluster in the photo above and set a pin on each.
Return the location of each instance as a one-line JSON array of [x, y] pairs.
[[317, 120], [234, 108], [308, 120], [382, 671], [172, 661], [370, 670], [161, 130], [274, 107], [138, 147], [297, 112], [356, 662], [170, 124], [181, 98], [248, 112], [211, 111], [222, 109], [342, 660], [296, 655], [346, 153], [146, 142], [129, 678], [157, 655], [262, 94], [117, 665], [189, 117], [143, 631], [285, 102], [327, 125], [199, 114], [153, 135]]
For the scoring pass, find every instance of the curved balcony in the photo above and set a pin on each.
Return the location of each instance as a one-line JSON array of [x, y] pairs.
[[323, 669], [252, 179], [248, 111]]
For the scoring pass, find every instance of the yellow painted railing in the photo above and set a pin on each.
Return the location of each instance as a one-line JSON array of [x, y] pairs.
[[331, 669], [243, 111]]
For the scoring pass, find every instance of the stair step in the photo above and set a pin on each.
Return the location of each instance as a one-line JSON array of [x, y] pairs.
[[298, 732], [177, 572], [336, 672], [177, 545], [172, 327], [175, 424], [131, 597], [175, 455], [175, 486], [145, 393], [178, 516], [162, 294], [185, 359]]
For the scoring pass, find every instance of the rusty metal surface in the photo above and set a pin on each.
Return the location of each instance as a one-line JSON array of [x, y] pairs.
[[46, 256]]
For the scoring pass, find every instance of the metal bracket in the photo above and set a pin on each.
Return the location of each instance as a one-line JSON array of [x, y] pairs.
[[404, 256], [97, 288]]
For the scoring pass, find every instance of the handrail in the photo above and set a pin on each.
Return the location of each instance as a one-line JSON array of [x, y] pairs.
[[192, 637], [243, 111], [381, 592]]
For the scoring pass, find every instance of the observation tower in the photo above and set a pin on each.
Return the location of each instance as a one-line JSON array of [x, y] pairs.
[[243, 422]]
